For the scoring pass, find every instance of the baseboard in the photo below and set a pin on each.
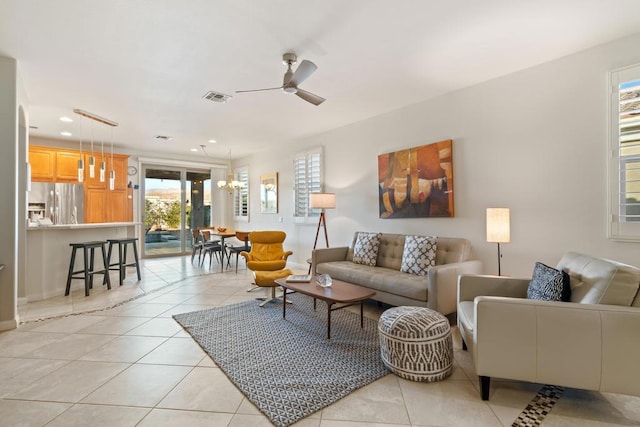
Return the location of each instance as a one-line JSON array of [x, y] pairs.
[[7, 325], [43, 295]]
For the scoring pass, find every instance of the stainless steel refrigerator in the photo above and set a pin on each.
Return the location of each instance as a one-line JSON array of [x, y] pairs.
[[63, 203]]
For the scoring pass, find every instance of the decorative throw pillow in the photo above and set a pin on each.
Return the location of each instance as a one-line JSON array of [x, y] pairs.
[[549, 284], [419, 255], [365, 250]]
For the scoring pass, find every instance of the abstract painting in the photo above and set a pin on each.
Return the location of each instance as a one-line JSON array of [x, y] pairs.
[[417, 182]]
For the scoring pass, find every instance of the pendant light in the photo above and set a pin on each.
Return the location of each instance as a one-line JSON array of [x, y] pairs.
[[112, 174], [92, 159], [81, 160], [103, 164]]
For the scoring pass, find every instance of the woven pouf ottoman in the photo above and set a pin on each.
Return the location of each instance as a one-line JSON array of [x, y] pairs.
[[415, 343]]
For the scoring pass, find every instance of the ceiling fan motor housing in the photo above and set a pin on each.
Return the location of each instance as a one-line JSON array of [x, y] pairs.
[[289, 58]]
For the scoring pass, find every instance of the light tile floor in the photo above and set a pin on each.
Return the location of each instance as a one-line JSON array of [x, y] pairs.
[[133, 365]]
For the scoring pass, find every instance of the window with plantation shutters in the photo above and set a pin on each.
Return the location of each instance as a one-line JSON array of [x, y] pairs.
[[241, 196], [307, 179], [625, 154]]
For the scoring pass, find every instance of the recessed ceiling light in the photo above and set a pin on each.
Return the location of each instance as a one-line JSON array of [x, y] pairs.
[[65, 133], [66, 119], [212, 141], [193, 149]]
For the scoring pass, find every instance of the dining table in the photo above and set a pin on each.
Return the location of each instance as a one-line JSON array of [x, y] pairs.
[[222, 235]]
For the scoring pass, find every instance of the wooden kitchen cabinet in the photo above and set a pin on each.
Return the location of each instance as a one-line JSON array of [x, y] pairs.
[[120, 164], [51, 164], [95, 205], [107, 205], [67, 166], [103, 204], [43, 163], [117, 205]]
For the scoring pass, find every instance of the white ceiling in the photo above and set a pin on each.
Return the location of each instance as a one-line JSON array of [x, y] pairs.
[[147, 63]]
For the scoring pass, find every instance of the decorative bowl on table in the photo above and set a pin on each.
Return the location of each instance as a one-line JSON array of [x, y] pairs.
[[324, 280], [222, 229]]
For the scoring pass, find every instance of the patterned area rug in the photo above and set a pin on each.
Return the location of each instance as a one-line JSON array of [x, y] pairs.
[[288, 368]]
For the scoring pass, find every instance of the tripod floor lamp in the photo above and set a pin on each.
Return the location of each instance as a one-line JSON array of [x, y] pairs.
[[498, 228], [321, 201]]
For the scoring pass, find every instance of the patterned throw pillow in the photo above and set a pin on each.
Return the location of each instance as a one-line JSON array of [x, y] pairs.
[[419, 255], [365, 250], [549, 284]]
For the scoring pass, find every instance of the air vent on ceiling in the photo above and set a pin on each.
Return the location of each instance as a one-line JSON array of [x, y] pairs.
[[162, 138], [216, 96]]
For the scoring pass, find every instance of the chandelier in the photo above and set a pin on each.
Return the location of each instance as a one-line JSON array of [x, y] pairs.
[[230, 184]]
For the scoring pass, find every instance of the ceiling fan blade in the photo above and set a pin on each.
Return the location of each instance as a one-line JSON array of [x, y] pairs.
[[304, 70], [258, 90], [310, 97]]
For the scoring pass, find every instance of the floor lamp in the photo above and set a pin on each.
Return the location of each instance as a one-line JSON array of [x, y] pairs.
[[321, 201], [498, 228]]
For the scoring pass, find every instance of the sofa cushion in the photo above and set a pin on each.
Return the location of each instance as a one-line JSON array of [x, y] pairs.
[[448, 251], [549, 284], [377, 278], [365, 250], [390, 252], [419, 255]]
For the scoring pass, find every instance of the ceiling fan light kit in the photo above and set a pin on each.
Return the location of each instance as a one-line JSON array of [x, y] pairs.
[[292, 79]]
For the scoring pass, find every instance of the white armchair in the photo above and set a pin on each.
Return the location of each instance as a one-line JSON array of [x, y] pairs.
[[589, 343]]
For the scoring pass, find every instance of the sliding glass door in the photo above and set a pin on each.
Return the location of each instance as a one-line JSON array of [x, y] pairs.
[[198, 203], [176, 200]]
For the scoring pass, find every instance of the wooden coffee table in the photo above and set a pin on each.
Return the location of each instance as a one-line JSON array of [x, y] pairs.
[[344, 293]]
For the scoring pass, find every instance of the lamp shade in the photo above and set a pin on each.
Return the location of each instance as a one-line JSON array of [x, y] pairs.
[[498, 225], [322, 201]]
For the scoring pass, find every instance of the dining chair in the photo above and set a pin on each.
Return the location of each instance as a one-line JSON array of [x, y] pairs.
[[243, 245], [196, 244], [211, 247]]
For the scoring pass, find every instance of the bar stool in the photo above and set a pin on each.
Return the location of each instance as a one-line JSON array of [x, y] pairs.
[[122, 264], [88, 271]]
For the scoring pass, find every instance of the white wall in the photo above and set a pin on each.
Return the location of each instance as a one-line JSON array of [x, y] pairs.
[[534, 141], [10, 98]]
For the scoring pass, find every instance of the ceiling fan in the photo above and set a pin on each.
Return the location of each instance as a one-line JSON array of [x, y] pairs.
[[293, 79]]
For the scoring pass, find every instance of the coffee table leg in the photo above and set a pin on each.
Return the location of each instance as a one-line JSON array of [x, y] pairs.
[[284, 303], [329, 320]]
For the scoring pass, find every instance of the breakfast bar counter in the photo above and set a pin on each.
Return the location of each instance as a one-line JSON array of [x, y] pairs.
[[48, 254], [82, 226]]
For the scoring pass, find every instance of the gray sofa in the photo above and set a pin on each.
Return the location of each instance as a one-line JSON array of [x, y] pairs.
[[437, 290], [589, 343]]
